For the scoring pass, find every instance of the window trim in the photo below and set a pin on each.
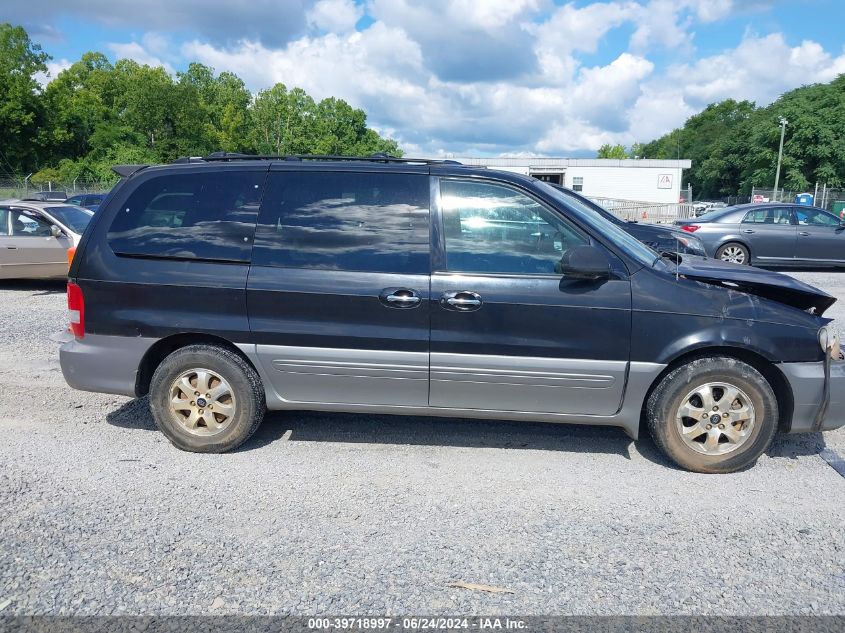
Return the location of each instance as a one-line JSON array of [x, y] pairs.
[[439, 259]]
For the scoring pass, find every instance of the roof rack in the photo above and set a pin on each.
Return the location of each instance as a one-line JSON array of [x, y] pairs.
[[379, 157]]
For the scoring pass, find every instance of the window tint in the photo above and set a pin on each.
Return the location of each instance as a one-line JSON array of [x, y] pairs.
[[208, 215], [345, 221], [27, 224], [4, 221], [492, 228], [77, 200], [768, 216], [814, 217]]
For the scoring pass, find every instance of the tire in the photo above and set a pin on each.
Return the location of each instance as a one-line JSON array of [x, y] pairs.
[[231, 384], [735, 253], [748, 423]]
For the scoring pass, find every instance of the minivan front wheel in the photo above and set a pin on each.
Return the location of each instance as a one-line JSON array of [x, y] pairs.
[[206, 399], [713, 415], [734, 253]]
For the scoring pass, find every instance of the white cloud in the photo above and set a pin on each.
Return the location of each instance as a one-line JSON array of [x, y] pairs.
[[148, 52], [53, 70], [760, 69], [338, 16]]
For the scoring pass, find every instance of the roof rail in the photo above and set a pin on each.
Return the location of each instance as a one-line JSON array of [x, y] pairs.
[[379, 157]]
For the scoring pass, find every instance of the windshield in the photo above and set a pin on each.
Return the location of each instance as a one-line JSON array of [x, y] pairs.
[[74, 218], [632, 246]]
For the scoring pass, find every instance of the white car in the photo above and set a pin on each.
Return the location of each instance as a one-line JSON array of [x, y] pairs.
[[35, 237]]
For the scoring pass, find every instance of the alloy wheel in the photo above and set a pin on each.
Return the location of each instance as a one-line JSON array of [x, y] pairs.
[[715, 418], [202, 401]]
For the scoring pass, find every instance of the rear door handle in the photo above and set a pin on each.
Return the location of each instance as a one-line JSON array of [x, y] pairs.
[[463, 301], [747, 230], [804, 233], [400, 298]]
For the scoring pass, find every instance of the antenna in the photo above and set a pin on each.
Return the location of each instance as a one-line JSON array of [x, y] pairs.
[[677, 258]]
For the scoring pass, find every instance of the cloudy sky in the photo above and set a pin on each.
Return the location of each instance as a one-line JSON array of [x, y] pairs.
[[475, 76]]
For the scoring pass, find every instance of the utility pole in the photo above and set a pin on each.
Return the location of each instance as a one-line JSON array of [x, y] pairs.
[[783, 123]]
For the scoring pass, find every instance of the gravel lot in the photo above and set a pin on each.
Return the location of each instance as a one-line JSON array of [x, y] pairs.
[[330, 514]]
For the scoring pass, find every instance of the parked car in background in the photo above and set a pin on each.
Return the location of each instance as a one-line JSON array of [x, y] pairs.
[[35, 238], [46, 196], [89, 201], [225, 286], [700, 208], [771, 234], [662, 238]]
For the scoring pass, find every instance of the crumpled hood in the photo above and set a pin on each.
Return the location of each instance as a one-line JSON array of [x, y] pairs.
[[756, 281]]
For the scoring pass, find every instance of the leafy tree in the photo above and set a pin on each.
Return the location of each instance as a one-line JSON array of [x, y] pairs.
[[96, 114], [21, 107], [612, 151]]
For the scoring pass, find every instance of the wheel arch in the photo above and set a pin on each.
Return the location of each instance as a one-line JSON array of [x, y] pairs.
[[166, 346], [769, 370]]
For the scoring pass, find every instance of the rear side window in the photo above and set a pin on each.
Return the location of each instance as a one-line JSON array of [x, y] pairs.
[[209, 216], [345, 221], [768, 216]]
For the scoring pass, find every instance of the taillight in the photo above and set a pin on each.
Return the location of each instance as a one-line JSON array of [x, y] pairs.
[[70, 253], [76, 309], [690, 228]]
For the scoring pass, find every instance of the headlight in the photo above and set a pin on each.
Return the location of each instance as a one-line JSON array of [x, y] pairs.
[[829, 342]]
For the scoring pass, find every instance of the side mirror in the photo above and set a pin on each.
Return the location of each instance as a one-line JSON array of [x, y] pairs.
[[587, 263], [55, 231]]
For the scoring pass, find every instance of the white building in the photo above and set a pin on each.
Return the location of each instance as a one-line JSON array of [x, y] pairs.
[[642, 179]]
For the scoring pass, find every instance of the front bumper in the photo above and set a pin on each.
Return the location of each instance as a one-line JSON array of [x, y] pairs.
[[807, 383]]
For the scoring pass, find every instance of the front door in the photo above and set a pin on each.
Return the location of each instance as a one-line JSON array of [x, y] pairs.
[[821, 238], [771, 233], [338, 291], [28, 249], [508, 333]]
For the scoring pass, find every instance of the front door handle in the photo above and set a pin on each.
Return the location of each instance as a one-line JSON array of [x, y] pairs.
[[400, 298], [463, 301], [804, 233], [747, 230]]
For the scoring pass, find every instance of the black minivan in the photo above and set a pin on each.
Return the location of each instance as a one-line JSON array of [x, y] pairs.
[[228, 285]]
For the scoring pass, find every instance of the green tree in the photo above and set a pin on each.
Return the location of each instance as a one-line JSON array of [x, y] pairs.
[[612, 151], [21, 109]]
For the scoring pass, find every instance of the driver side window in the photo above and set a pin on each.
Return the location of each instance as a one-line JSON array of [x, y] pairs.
[[25, 225], [493, 228], [812, 217]]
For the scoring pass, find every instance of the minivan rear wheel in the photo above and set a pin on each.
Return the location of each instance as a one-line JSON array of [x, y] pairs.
[[206, 399], [713, 415]]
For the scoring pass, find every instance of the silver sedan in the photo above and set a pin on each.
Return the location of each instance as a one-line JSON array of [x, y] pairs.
[[771, 234], [35, 237]]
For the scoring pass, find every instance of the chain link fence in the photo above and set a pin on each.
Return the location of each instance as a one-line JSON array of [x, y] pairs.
[[824, 197], [21, 187]]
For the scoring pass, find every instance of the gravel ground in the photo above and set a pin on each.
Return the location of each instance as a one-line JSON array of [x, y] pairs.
[[329, 514]]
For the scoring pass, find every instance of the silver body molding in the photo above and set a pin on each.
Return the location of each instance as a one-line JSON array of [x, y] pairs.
[[322, 379], [106, 364], [807, 383]]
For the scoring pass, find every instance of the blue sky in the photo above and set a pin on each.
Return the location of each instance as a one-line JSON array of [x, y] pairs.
[[475, 76]]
